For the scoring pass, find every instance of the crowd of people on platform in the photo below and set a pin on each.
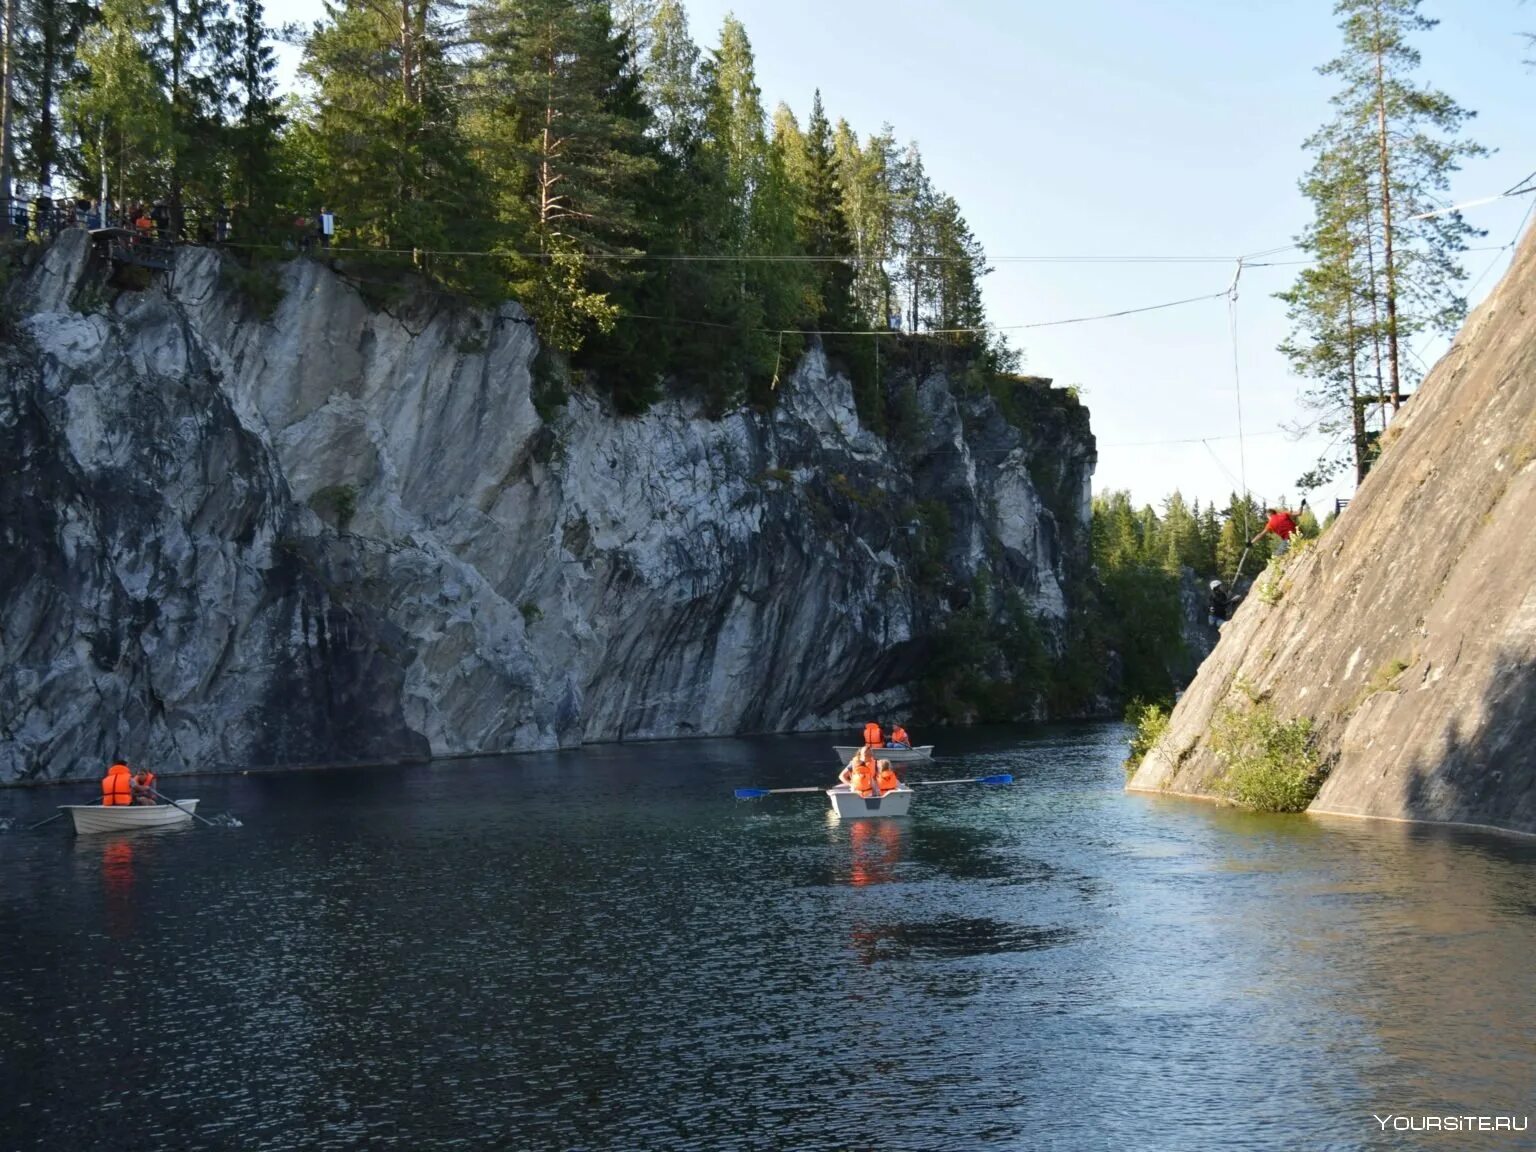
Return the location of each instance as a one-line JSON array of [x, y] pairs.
[[42, 218]]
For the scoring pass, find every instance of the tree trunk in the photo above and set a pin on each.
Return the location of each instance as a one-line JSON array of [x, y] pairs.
[[1386, 218], [8, 65], [43, 146]]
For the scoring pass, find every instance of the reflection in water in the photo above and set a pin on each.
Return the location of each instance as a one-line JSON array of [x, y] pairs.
[[117, 882], [604, 950], [875, 849]]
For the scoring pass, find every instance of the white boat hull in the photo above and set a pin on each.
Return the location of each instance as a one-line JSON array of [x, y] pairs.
[[96, 818], [894, 755], [849, 805]]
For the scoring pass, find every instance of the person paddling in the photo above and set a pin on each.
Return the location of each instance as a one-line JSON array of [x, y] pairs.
[[117, 786], [144, 788], [899, 738]]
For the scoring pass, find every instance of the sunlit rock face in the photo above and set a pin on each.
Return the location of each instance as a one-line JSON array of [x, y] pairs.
[[1408, 635], [346, 534]]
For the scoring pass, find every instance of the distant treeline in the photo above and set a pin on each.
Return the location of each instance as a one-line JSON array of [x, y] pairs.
[[583, 157]]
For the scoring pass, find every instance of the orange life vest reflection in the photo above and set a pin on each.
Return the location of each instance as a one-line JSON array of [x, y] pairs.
[[874, 851], [117, 885]]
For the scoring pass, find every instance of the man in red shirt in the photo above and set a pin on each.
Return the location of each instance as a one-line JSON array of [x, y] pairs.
[[1282, 524]]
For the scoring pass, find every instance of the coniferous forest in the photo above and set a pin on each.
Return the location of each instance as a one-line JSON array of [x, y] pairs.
[[582, 157]]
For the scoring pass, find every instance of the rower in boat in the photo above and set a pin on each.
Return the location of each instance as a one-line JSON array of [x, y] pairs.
[[899, 738]]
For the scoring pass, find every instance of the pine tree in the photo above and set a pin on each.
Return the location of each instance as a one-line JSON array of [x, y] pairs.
[[8, 60], [952, 287], [385, 136], [1411, 134], [912, 198], [560, 72], [47, 40], [1332, 305]]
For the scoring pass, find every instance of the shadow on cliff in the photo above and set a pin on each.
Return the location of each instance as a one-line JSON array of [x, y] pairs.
[[1487, 772]]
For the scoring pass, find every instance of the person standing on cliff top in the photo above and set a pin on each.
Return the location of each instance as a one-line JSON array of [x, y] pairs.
[[1282, 524]]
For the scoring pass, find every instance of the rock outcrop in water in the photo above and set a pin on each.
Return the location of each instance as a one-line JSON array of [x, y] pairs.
[[1408, 633], [346, 534]]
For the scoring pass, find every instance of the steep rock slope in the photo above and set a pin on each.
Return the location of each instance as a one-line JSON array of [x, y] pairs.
[[347, 534], [1408, 634]]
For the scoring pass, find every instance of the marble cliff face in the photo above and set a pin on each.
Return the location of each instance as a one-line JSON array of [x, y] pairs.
[[346, 534]]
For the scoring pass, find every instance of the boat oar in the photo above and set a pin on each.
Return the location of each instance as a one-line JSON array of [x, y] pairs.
[[754, 793], [153, 792], [40, 823], [1000, 778]]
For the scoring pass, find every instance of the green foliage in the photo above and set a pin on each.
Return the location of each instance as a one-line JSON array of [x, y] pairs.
[[531, 613], [1270, 764], [548, 392], [1151, 721], [985, 669], [1385, 263], [258, 281], [336, 504]]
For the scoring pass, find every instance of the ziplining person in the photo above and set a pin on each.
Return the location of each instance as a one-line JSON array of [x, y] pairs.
[[1220, 605], [1282, 524]]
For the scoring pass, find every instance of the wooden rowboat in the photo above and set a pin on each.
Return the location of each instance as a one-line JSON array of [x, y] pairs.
[[894, 755], [96, 818], [849, 805]]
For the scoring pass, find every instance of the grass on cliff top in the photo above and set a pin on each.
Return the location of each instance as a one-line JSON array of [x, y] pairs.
[[1151, 722], [1271, 764]]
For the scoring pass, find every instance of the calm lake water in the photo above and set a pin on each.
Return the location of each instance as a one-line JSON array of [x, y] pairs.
[[605, 950]]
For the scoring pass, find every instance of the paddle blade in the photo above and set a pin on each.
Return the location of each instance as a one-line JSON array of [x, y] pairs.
[[1000, 778], [750, 793]]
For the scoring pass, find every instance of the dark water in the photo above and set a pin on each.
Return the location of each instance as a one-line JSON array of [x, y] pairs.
[[605, 950]]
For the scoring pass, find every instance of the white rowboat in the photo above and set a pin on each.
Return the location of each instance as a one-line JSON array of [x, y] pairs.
[[850, 805], [894, 755], [97, 818]]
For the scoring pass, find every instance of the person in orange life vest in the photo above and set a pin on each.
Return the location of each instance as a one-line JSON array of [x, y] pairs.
[[872, 736], [861, 757], [863, 778], [899, 738], [144, 788], [886, 779], [117, 786], [1282, 524]]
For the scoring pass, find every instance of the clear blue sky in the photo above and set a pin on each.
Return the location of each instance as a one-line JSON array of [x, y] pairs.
[[1123, 128]]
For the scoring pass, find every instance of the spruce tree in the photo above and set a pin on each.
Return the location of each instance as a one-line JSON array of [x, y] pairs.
[[822, 227]]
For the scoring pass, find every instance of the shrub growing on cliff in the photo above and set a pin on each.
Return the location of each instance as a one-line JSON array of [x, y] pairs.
[[1271, 764], [1151, 721]]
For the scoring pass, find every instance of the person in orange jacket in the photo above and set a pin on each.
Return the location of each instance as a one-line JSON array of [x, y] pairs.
[[862, 758], [144, 788], [117, 785], [886, 779], [872, 735], [864, 778], [899, 738]]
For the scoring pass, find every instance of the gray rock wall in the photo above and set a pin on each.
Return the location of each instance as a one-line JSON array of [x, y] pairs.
[[1408, 634], [346, 534]]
